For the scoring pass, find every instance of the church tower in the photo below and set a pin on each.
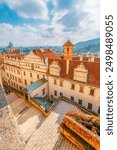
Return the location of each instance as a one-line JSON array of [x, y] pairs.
[[68, 50], [10, 48]]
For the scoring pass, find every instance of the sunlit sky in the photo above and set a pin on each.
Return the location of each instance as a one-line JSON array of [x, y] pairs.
[[48, 22]]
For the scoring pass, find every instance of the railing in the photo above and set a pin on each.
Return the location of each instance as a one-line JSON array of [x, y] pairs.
[[45, 111]]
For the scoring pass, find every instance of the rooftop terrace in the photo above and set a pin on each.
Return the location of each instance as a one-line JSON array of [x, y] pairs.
[[40, 132]]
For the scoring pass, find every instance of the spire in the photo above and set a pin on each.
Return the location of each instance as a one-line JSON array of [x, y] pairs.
[[10, 45], [68, 43]]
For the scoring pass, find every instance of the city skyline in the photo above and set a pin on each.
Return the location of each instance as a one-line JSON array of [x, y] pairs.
[[48, 22]]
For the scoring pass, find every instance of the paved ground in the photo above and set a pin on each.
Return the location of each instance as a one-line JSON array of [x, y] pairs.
[[39, 132]]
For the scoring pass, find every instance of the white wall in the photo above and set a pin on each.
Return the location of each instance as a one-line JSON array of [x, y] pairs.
[[39, 91], [68, 92]]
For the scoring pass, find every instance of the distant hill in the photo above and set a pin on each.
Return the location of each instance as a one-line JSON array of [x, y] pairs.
[[90, 46]]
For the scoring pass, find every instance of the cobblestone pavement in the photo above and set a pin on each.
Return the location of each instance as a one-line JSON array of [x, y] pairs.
[[40, 132]]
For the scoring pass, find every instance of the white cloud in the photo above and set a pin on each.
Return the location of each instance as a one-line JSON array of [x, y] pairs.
[[36, 9], [78, 23]]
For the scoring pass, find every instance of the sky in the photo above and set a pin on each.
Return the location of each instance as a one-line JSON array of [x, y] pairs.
[[48, 22]]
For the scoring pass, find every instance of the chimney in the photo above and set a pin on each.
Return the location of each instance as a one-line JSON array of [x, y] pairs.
[[67, 66]]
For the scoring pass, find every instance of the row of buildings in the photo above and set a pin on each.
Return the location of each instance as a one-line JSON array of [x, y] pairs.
[[51, 75]]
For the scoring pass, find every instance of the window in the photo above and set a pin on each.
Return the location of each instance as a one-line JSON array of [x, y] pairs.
[[61, 83], [81, 89], [55, 93], [61, 94], [43, 91], [20, 87], [51, 96], [43, 76], [18, 72], [89, 106], [72, 98], [99, 110], [7, 75], [73, 86], [80, 102], [55, 82], [24, 73], [30, 74], [19, 80], [67, 49], [25, 82], [37, 76], [92, 92], [31, 82]]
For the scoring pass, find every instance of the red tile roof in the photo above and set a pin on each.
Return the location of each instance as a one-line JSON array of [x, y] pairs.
[[93, 70], [68, 43], [96, 59], [15, 52], [1, 58], [47, 53]]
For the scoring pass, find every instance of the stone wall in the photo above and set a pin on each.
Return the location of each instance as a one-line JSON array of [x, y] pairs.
[[81, 131], [10, 136]]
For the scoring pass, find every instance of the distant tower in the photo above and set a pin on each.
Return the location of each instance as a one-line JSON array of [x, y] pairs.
[[10, 47], [68, 50]]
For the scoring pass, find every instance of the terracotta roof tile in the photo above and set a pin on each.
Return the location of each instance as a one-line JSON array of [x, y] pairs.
[[93, 70], [1, 58], [47, 53], [68, 43]]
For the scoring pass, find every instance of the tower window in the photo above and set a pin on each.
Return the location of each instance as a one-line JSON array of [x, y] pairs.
[[67, 49]]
